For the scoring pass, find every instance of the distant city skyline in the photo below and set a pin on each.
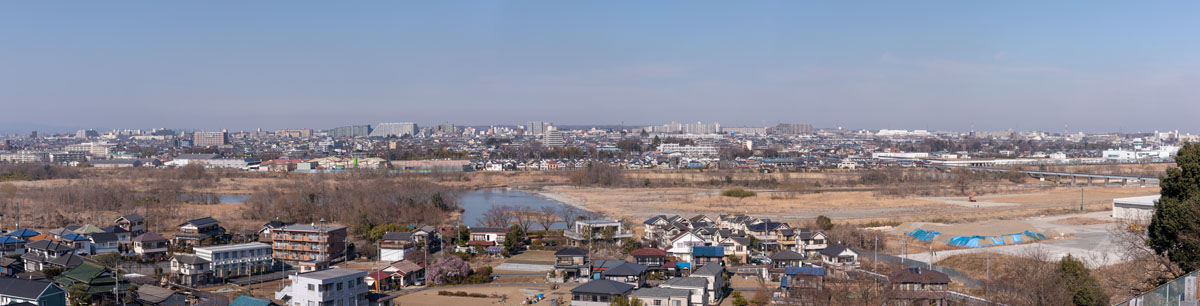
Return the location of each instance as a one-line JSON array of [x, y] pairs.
[[1102, 66]]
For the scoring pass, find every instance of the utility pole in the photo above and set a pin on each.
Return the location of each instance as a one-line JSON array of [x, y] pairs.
[[905, 247], [988, 273], [1081, 199], [876, 260]]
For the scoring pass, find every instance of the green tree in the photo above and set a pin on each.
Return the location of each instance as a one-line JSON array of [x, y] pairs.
[[1174, 227], [513, 239], [378, 231], [1078, 279], [824, 223]]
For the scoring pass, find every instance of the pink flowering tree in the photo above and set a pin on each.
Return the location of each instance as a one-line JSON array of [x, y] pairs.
[[447, 270]]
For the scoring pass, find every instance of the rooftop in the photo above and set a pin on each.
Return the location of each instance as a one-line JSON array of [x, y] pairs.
[[331, 273], [234, 247]]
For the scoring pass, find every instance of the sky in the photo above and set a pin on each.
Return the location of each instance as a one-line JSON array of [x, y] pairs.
[[1095, 66]]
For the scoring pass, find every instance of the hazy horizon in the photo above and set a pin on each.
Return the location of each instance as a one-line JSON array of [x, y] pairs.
[[1096, 66]]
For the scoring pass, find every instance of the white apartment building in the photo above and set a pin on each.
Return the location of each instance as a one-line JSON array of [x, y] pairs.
[[689, 151], [332, 287], [237, 259]]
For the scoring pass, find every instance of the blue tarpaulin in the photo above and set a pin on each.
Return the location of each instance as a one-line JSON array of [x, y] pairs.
[[924, 235], [684, 265]]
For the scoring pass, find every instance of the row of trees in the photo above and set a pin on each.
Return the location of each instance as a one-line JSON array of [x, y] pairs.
[[524, 216], [359, 202]]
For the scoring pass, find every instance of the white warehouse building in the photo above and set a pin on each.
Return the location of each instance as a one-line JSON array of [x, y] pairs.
[[1134, 209]]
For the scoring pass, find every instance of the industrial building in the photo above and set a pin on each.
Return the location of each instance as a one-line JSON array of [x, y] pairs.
[[1134, 209]]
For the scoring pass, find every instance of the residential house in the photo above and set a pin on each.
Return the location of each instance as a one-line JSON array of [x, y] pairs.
[[235, 260], [487, 236], [715, 274], [150, 245], [98, 283], [653, 229], [10, 245], [104, 243], [703, 255], [737, 246], [628, 272], [598, 292], [379, 281], [425, 234], [767, 232], [660, 296], [81, 244], [803, 283], [602, 231], [15, 291], [317, 243], [407, 273], [681, 246], [194, 231], [394, 246], [326, 287], [24, 234], [697, 285], [917, 286], [264, 234], [191, 270], [838, 255], [571, 263], [39, 254], [810, 243], [786, 258], [652, 258], [133, 223], [11, 266], [148, 295], [123, 236]]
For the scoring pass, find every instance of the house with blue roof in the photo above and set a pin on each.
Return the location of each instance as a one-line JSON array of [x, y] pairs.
[[11, 245], [702, 255]]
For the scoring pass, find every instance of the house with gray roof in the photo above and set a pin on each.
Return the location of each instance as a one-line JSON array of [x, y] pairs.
[[36, 292], [628, 272], [662, 296], [697, 285], [598, 292], [715, 274]]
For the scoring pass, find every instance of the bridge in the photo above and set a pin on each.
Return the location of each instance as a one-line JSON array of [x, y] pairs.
[[1059, 177]]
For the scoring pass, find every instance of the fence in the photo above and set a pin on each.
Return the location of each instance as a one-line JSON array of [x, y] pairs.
[[955, 275], [1178, 292]]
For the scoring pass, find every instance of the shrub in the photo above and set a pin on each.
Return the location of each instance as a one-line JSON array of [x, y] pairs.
[[738, 193]]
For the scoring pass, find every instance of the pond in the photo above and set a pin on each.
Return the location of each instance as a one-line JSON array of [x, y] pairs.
[[475, 203]]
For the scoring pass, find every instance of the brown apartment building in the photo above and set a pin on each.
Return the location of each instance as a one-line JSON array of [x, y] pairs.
[[300, 243]]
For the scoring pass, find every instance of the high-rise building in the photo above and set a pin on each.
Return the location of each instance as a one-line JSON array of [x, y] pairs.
[[394, 129], [210, 139], [554, 138], [538, 128], [790, 129], [350, 131], [86, 133]]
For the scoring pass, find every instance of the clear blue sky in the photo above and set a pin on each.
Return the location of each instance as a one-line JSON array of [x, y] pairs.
[[1095, 65]]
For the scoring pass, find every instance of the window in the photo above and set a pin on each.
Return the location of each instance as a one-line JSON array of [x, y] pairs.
[[657, 302], [675, 303], [339, 286]]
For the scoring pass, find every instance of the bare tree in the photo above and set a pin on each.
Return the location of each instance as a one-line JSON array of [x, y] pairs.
[[524, 216], [547, 216], [568, 214], [497, 216]]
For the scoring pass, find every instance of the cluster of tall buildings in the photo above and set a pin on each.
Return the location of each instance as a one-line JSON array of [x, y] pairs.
[[394, 129]]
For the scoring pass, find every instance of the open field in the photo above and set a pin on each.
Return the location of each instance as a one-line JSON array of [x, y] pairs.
[[515, 293], [852, 206]]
